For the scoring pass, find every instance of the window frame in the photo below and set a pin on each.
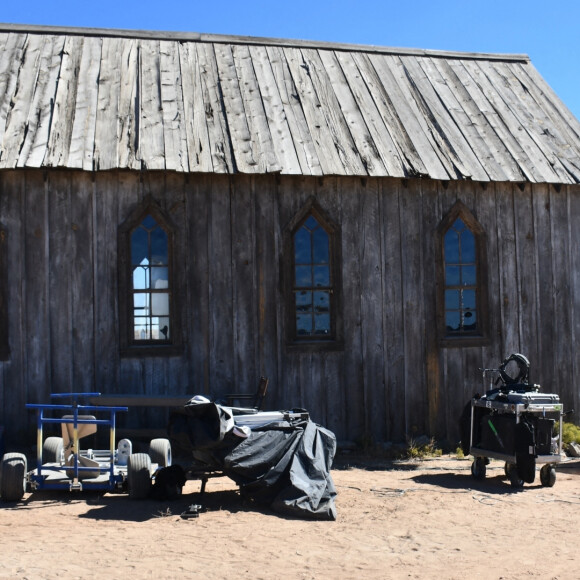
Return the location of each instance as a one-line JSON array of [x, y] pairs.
[[4, 339], [293, 340], [480, 337], [128, 345]]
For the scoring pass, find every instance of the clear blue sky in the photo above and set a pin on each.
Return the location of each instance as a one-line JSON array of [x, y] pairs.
[[548, 31]]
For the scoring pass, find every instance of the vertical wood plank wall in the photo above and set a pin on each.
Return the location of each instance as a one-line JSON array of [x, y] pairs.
[[391, 380]]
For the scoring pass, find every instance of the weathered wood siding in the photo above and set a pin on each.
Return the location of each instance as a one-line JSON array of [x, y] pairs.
[[390, 381]]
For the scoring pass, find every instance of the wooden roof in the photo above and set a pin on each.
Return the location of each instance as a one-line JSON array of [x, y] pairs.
[[98, 99]]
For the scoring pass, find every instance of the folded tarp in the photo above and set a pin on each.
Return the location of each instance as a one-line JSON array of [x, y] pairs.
[[284, 464]]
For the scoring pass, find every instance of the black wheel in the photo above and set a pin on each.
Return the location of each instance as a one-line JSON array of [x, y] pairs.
[[52, 450], [548, 475], [13, 480], [513, 475], [139, 475], [526, 465], [478, 468], [160, 452]]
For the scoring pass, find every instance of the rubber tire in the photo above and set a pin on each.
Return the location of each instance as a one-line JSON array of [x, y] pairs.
[[548, 475], [515, 480], [526, 465], [160, 452], [13, 481], [139, 475], [478, 468], [52, 449]]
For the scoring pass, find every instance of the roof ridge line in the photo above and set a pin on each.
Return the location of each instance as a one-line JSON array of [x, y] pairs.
[[255, 40]]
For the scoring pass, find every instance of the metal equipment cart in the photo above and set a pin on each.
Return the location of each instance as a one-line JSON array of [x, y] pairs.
[[515, 423], [61, 464]]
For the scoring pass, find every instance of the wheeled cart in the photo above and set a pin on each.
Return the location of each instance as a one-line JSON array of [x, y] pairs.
[[61, 464], [515, 423]]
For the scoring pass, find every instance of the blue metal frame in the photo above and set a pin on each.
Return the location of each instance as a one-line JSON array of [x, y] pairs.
[[75, 409]]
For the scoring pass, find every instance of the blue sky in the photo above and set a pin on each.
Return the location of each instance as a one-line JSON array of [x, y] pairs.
[[547, 31]]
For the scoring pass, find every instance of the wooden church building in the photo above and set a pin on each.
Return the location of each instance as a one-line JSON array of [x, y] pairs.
[[182, 214]]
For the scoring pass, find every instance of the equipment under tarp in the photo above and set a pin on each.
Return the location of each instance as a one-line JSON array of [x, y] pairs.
[[281, 459]]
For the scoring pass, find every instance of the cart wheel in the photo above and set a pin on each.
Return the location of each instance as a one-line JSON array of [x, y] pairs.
[[548, 475], [526, 466], [13, 481], [160, 452], [52, 450], [139, 475], [478, 468], [512, 473]]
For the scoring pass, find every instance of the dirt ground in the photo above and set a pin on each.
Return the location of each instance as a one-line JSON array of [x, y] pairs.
[[416, 519]]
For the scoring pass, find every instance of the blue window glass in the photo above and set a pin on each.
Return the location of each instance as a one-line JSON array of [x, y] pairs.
[[150, 280], [460, 279], [312, 280]]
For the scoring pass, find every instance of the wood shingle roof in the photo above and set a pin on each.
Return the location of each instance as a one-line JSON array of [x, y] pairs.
[[103, 99]]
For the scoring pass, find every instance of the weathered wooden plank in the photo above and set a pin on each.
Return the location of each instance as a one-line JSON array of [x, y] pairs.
[[107, 118], [543, 251], [395, 102], [276, 118], [198, 195], [83, 133], [372, 305], [302, 139], [342, 139], [485, 213], [562, 377], [60, 281], [506, 148], [267, 238], [446, 134], [550, 134], [551, 103], [151, 137], [526, 273], [128, 124], [467, 119], [175, 135], [17, 120], [14, 388], [394, 138], [491, 151], [321, 136], [252, 98], [219, 279], [412, 280], [507, 265], [574, 270], [10, 63], [60, 132], [244, 287], [523, 149], [355, 122], [532, 121], [365, 106], [109, 188], [247, 153], [194, 111], [38, 123], [83, 282], [395, 392], [218, 129]]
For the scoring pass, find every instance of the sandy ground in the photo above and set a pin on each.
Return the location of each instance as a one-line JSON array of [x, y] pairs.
[[427, 519]]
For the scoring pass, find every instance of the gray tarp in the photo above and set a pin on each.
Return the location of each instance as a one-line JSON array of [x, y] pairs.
[[285, 464]]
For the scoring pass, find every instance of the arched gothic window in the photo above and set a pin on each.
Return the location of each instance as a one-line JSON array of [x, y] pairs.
[[313, 279], [146, 281], [462, 279]]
